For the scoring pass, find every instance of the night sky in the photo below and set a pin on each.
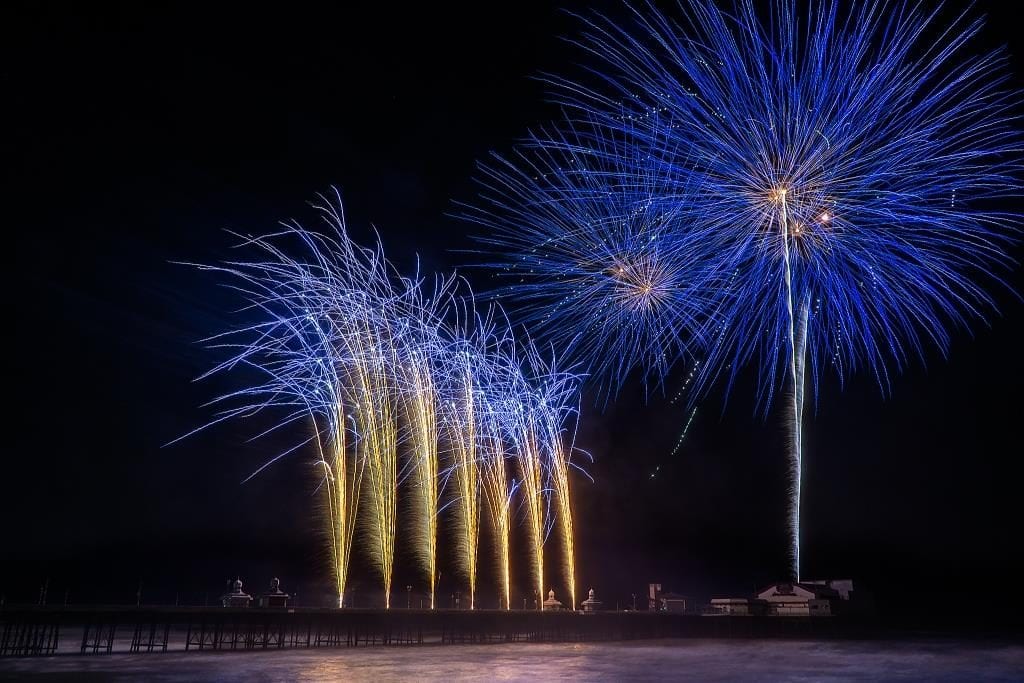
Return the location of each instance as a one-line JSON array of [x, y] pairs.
[[137, 135]]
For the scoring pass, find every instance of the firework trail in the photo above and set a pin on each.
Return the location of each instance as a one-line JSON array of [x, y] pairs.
[[496, 374], [418, 319], [363, 296], [498, 497], [535, 420], [462, 430], [342, 479], [421, 415], [532, 492], [841, 172], [293, 349], [376, 421], [555, 411]]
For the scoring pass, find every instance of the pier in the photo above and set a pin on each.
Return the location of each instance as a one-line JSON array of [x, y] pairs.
[[43, 631]]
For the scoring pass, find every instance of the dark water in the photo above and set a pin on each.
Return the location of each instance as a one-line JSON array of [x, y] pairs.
[[701, 660]]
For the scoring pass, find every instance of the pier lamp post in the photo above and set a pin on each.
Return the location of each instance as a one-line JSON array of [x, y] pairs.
[[408, 597]]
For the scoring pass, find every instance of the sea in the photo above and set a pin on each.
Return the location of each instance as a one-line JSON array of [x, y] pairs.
[[663, 660]]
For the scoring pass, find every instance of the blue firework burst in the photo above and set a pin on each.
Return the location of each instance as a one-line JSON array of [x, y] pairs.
[[583, 233], [868, 155], [846, 179]]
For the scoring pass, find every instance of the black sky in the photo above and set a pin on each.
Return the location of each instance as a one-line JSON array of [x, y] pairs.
[[137, 133]]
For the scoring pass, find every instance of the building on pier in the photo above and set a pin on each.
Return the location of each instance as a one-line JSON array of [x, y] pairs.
[[742, 607], [236, 597], [799, 599], [672, 602], [552, 603], [591, 604], [275, 597]]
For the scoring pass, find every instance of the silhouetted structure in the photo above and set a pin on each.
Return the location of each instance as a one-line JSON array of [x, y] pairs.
[[552, 604], [275, 597], [653, 596], [740, 607], [799, 599], [236, 597], [673, 602], [591, 604], [785, 599]]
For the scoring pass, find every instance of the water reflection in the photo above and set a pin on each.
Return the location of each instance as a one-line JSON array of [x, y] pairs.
[[705, 660]]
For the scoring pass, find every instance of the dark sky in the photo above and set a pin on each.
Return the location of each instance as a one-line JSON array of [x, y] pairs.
[[137, 133]]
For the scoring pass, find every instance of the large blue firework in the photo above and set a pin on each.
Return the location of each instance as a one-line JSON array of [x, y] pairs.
[[848, 174]]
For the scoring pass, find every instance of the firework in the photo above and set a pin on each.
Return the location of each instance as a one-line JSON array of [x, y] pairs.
[[421, 413], [498, 374], [580, 236], [378, 443], [342, 479], [531, 484], [385, 374], [462, 430], [842, 172], [498, 496], [554, 410]]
